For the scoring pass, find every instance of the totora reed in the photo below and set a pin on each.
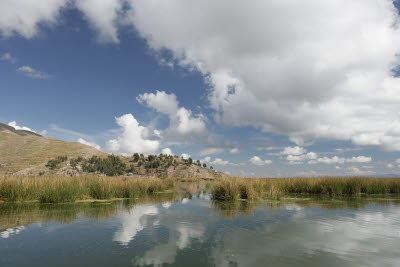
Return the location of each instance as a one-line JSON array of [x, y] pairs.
[[56, 189], [275, 188]]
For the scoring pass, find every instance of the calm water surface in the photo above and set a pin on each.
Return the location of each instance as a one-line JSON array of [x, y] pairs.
[[176, 231]]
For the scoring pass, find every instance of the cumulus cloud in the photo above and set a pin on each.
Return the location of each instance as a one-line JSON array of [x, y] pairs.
[[182, 122], [352, 170], [258, 161], [220, 162], [234, 151], [24, 16], [340, 160], [185, 156], [360, 159], [17, 127], [33, 73], [133, 138], [7, 57], [102, 16], [206, 160], [308, 156], [305, 69], [167, 151], [92, 144], [293, 150]]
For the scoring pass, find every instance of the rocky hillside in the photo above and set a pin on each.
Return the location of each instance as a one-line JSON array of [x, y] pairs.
[[23, 150], [161, 166], [27, 153]]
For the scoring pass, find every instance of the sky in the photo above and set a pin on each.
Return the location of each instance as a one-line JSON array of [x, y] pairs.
[[263, 88]]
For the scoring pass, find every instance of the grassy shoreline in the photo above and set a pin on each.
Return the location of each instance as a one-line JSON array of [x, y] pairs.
[[231, 189], [57, 189]]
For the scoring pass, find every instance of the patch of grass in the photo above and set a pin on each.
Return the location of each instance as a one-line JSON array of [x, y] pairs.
[[55, 189], [274, 188]]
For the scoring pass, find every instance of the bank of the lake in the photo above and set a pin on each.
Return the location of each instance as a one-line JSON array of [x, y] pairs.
[[57, 189]]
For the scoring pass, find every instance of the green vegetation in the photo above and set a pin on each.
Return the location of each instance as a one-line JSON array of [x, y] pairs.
[[52, 164], [55, 189], [110, 166], [230, 189]]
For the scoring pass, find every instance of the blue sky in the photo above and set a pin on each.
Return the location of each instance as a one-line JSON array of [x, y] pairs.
[[248, 91]]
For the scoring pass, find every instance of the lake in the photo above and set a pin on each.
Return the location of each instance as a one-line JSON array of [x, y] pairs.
[[192, 230]]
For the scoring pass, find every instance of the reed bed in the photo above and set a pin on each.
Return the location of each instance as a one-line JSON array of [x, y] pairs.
[[55, 189], [229, 189]]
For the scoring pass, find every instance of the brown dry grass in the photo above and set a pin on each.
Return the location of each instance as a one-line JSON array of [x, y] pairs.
[[274, 188], [56, 189]]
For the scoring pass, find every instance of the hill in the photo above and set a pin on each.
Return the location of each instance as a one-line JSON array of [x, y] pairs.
[[28, 153], [21, 150]]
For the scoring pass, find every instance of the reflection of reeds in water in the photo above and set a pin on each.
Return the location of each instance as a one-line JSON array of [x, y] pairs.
[[231, 209], [269, 188], [12, 215], [17, 214]]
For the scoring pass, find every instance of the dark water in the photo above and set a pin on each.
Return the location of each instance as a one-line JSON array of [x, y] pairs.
[[174, 231]]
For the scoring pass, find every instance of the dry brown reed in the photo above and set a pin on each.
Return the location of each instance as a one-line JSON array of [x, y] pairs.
[[56, 189], [275, 188]]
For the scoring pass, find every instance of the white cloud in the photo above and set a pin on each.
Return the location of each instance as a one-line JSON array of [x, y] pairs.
[[182, 123], [92, 144], [360, 159], [325, 73], [258, 161], [332, 160], [397, 161], [133, 138], [167, 151], [220, 162], [17, 127], [102, 16], [7, 57], [43, 132], [133, 221], [234, 151], [211, 151], [185, 156], [357, 171], [340, 160], [308, 156], [390, 165], [293, 150], [25, 16], [206, 160], [33, 73]]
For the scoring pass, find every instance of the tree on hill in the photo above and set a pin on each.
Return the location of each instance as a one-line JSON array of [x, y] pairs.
[[136, 157]]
